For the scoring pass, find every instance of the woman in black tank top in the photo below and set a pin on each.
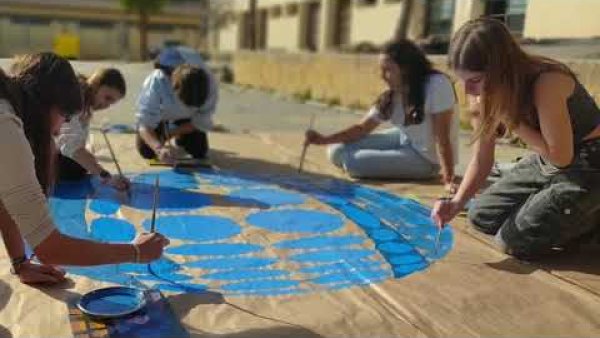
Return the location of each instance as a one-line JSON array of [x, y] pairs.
[[551, 198]]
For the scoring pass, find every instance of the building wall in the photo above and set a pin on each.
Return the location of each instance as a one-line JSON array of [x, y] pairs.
[[347, 79], [104, 29], [562, 19], [284, 32], [375, 24]]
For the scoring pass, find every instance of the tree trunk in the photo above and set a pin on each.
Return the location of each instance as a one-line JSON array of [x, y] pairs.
[[143, 28], [404, 20], [252, 25]]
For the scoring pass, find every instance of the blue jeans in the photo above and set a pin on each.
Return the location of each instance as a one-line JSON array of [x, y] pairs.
[[382, 155]]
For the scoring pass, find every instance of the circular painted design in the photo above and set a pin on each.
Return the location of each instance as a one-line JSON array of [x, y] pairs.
[[359, 236], [296, 221]]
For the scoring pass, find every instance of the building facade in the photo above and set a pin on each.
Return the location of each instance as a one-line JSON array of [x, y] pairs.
[[319, 25], [104, 29]]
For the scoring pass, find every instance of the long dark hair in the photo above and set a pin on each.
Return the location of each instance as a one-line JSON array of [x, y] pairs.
[[37, 83], [486, 45], [416, 69]]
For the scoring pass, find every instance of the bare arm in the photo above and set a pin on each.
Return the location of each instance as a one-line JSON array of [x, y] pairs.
[[88, 161], [61, 249], [442, 124], [479, 167], [555, 140], [183, 129], [150, 138], [350, 134], [11, 235]]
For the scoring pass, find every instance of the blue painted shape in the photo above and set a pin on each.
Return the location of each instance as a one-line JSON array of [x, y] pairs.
[[216, 249], [182, 288], [395, 247], [384, 235], [231, 181], [240, 275], [161, 265], [231, 263], [171, 199], [355, 277], [272, 197], [342, 267], [268, 284], [104, 207], [332, 255], [168, 178], [270, 293], [360, 217], [112, 230], [320, 242], [195, 227], [296, 221], [405, 259], [173, 277]]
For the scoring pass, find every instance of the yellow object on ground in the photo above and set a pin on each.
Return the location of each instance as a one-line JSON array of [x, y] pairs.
[[67, 45]]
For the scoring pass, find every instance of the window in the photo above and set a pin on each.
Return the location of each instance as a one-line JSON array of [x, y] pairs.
[[515, 15], [440, 15], [366, 2], [512, 12]]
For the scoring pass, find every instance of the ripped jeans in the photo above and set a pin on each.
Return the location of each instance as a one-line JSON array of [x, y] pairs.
[[537, 207]]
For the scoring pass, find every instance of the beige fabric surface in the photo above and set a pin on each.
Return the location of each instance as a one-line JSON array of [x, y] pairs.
[[474, 291]]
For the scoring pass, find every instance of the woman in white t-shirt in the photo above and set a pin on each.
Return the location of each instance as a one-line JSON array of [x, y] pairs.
[[101, 90], [420, 104]]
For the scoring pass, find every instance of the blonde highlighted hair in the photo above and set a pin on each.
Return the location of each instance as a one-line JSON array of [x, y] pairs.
[[509, 73]]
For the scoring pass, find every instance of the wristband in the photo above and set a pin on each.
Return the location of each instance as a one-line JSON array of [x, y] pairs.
[[104, 174], [16, 264]]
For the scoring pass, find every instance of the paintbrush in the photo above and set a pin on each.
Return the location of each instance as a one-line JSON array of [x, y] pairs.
[[305, 146], [154, 204], [112, 153], [446, 198]]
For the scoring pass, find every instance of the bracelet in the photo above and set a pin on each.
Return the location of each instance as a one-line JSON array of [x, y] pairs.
[[104, 174], [136, 258]]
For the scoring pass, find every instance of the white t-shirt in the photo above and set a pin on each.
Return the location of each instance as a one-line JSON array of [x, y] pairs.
[[439, 97]]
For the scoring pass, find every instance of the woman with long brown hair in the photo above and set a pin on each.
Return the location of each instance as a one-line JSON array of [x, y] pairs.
[[419, 103], [552, 197], [42, 92], [102, 89]]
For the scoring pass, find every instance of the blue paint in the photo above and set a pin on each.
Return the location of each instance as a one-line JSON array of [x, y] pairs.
[[112, 230], [261, 285], [332, 255], [296, 221], [395, 248], [195, 227], [407, 269], [245, 275], [104, 207], [342, 267], [360, 217], [384, 235], [182, 288], [231, 181], [173, 277], [405, 259], [161, 265], [168, 179], [320, 242], [217, 249], [356, 277], [231, 263], [112, 301], [272, 197], [270, 293]]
